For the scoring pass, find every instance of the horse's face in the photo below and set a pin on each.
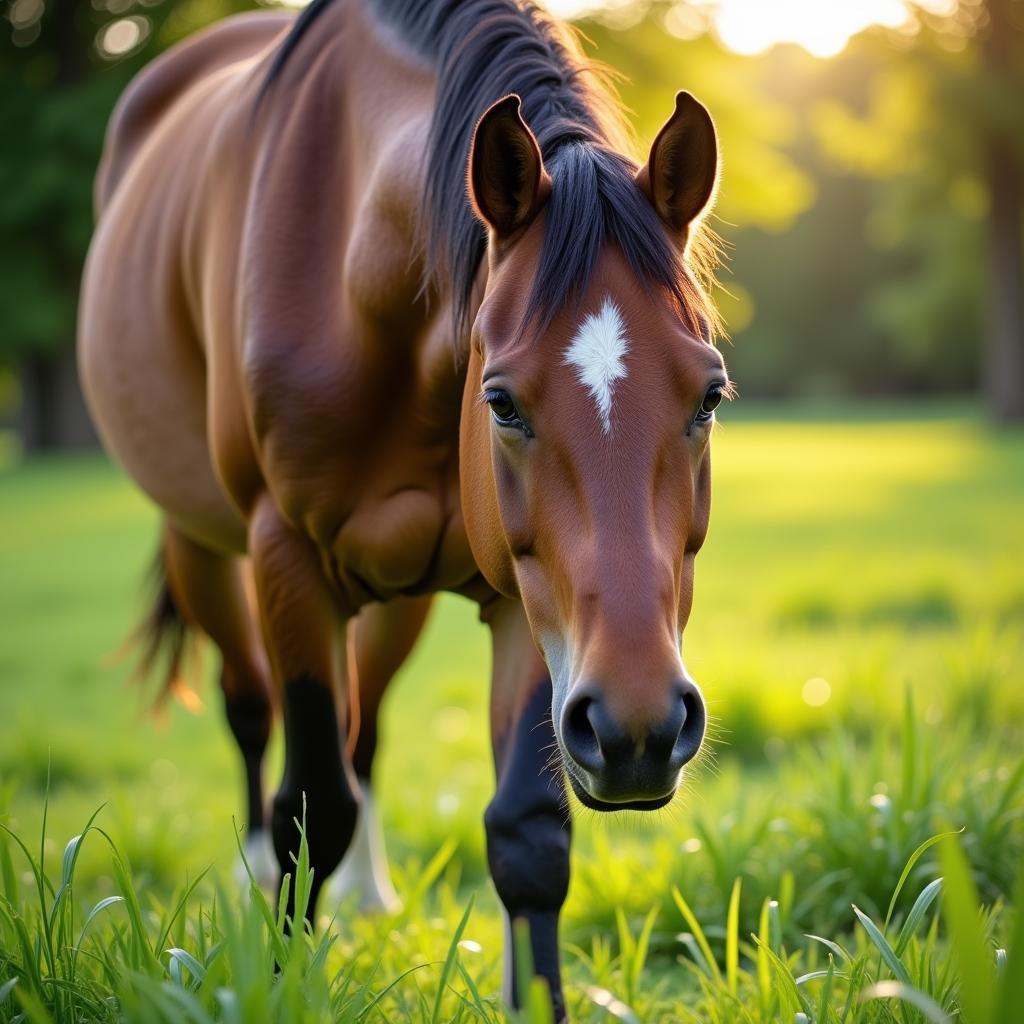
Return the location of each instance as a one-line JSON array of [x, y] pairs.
[[586, 490]]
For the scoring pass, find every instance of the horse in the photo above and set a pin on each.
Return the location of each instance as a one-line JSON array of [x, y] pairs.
[[379, 305]]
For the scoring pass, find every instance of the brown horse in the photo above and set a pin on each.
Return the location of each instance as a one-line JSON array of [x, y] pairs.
[[377, 306]]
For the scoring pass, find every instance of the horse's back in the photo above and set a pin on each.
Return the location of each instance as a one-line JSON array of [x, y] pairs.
[[161, 83], [145, 370]]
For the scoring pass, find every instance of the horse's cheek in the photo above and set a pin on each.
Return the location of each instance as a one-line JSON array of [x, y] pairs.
[[481, 510]]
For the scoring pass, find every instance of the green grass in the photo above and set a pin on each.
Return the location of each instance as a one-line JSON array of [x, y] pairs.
[[875, 550]]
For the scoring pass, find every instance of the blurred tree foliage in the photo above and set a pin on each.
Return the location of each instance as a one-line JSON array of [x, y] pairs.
[[63, 64], [61, 71], [871, 203]]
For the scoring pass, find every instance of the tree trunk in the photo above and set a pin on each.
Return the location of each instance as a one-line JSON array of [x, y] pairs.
[[1003, 352], [52, 413]]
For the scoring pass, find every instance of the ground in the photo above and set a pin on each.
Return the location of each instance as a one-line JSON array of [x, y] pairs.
[[858, 631]]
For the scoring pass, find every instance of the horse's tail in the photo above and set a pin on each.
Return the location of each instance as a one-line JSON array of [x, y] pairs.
[[165, 638]]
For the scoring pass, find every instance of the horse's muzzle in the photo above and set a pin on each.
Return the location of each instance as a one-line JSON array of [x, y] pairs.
[[614, 767]]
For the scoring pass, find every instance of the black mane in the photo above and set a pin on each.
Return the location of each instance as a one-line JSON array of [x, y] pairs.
[[484, 50]]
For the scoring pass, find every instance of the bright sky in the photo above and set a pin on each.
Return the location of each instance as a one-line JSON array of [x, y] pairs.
[[822, 27]]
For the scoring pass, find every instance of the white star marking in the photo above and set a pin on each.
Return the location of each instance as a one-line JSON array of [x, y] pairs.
[[598, 352]]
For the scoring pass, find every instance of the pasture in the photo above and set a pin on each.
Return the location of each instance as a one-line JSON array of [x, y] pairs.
[[858, 631]]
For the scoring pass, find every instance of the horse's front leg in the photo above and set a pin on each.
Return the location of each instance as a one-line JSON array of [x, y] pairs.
[[527, 822], [305, 630]]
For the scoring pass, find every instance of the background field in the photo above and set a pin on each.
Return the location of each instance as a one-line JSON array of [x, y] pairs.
[[875, 550]]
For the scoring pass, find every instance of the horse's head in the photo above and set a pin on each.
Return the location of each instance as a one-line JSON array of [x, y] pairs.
[[585, 442]]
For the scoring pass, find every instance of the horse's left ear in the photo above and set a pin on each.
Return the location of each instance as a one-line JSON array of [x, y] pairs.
[[507, 180], [680, 174]]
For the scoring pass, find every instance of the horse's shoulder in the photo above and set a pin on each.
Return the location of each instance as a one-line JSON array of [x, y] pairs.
[[330, 273]]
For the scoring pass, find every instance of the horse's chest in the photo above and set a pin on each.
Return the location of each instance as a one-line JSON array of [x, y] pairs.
[[374, 480]]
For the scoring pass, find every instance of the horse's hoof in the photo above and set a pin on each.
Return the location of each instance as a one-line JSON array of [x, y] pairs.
[[262, 861], [364, 869], [375, 895]]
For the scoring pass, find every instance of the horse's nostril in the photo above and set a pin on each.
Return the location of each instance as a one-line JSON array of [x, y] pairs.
[[579, 733], [690, 733]]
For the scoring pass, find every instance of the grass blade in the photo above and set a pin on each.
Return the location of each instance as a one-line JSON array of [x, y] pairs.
[[880, 943], [826, 973], [908, 867], [967, 936], [449, 962], [928, 895], [640, 950], [1011, 979], [732, 938], [825, 996], [186, 959], [698, 934], [627, 946], [835, 947], [764, 968], [789, 993], [481, 1007], [302, 882]]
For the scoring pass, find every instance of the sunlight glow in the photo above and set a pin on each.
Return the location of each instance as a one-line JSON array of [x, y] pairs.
[[821, 27]]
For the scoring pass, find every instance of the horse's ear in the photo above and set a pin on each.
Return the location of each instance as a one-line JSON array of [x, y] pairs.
[[507, 180], [680, 174]]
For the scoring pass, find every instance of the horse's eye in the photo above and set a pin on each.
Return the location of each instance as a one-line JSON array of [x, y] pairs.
[[712, 400], [504, 410]]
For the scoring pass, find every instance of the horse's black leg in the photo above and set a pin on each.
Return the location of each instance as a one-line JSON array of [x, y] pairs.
[[316, 787], [304, 630], [207, 590], [250, 716], [527, 822]]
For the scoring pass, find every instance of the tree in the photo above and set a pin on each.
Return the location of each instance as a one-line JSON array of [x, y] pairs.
[[63, 63], [1003, 49], [946, 158]]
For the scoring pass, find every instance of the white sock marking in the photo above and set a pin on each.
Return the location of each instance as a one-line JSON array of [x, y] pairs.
[[365, 867], [598, 351]]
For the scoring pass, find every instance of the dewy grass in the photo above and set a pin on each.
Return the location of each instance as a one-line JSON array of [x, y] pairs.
[[206, 955], [192, 959]]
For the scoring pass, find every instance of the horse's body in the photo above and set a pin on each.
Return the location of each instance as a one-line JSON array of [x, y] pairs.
[[270, 347], [354, 429]]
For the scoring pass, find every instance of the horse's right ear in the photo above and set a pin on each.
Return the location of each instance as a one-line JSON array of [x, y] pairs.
[[507, 180], [682, 170]]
